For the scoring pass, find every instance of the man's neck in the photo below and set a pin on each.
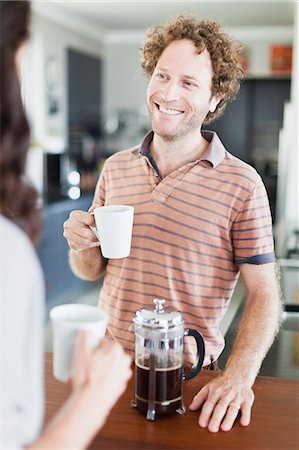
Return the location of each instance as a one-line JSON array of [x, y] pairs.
[[170, 155]]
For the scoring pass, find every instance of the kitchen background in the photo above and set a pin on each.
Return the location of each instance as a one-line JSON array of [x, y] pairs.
[[85, 96]]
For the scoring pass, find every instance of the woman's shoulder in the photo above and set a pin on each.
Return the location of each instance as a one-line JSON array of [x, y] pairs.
[[23, 286], [13, 237], [17, 250]]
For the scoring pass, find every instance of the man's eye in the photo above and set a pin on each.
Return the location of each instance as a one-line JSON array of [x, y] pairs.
[[190, 84], [161, 76]]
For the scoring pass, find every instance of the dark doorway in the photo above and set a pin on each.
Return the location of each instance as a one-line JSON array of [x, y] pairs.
[[84, 115], [250, 126]]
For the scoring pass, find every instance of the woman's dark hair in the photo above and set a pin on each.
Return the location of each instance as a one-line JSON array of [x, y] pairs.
[[18, 199], [224, 51]]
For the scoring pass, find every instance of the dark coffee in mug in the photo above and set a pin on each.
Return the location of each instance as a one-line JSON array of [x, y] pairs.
[[168, 387]]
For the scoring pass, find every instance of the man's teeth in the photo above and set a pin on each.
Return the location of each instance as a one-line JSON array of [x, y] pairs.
[[172, 112]]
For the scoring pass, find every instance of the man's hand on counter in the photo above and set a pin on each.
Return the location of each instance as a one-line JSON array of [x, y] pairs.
[[220, 402], [231, 392]]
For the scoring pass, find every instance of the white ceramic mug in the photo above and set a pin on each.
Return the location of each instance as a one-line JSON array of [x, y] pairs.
[[114, 228], [67, 321]]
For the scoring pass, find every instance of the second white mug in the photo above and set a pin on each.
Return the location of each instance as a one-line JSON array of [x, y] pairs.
[[67, 321]]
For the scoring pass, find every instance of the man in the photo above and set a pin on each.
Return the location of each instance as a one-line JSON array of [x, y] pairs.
[[201, 217]]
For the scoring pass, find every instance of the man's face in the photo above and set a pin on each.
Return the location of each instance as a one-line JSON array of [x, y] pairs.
[[179, 91]]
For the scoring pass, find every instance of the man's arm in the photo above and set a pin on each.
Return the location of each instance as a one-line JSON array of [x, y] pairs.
[[260, 321], [85, 257], [222, 398], [87, 264]]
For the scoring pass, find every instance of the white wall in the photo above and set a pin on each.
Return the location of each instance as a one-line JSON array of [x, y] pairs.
[[258, 41], [288, 167], [125, 84]]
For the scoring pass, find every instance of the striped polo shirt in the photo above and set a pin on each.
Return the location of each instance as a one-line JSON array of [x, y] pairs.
[[192, 229]]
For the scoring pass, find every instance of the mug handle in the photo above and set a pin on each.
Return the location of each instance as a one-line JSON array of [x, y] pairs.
[[200, 343], [95, 232], [94, 229]]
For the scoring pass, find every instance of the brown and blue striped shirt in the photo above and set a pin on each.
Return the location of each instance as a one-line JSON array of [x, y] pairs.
[[192, 229]]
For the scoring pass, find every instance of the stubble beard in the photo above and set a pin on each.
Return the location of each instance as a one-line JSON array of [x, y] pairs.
[[194, 124]]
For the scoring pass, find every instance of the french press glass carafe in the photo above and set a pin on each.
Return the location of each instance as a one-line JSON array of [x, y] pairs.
[[159, 360]]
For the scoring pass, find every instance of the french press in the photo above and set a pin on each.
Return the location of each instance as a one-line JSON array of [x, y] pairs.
[[159, 360]]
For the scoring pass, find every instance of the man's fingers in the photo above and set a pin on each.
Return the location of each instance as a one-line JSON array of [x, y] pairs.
[[199, 399], [94, 244], [221, 402], [80, 217], [217, 417], [245, 414], [205, 414], [93, 207], [82, 245], [80, 238], [72, 230], [230, 417]]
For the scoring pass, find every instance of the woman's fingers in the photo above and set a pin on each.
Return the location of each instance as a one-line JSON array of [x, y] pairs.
[[81, 360]]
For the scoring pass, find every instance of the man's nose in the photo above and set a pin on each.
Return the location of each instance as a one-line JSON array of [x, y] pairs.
[[170, 92]]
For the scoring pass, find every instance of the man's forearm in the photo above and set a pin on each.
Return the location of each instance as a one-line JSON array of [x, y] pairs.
[[87, 264], [258, 328]]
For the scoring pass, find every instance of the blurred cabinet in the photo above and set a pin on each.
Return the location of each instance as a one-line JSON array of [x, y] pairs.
[[249, 128], [84, 116]]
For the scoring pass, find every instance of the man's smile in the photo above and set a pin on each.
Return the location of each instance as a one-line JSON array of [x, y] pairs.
[[169, 111]]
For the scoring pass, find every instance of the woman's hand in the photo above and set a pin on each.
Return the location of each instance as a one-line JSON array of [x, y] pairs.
[[99, 377], [104, 371]]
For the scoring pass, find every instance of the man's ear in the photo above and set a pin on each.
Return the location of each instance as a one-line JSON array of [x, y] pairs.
[[214, 102]]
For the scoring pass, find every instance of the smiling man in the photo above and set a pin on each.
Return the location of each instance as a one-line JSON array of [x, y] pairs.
[[179, 98], [201, 218]]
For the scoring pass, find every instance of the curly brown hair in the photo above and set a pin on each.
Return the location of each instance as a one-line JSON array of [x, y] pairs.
[[18, 199], [224, 51]]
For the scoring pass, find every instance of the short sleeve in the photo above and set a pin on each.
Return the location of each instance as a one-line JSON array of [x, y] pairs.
[[100, 191], [252, 229]]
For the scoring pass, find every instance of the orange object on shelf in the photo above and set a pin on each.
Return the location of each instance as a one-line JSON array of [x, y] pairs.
[[281, 59]]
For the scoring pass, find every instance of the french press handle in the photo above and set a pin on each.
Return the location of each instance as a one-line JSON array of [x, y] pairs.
[[200, 354]]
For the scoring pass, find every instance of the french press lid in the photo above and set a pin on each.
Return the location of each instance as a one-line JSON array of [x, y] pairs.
[[158, 318]]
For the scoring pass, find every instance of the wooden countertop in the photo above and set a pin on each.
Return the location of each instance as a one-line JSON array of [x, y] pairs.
[[274, 424]]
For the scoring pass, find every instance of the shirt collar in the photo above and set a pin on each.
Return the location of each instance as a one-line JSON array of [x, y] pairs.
[[215, 152]]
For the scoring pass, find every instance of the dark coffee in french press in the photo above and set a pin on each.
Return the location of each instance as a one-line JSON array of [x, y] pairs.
[[159, 360], [168, 387]]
